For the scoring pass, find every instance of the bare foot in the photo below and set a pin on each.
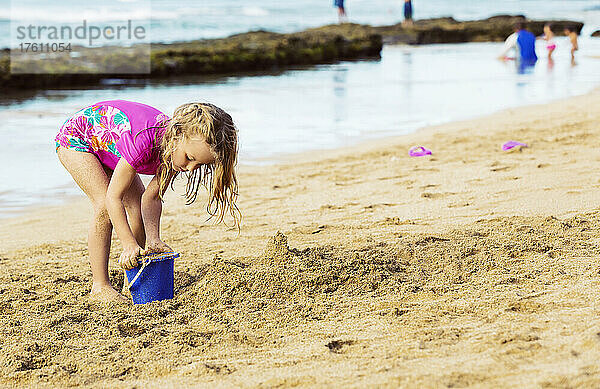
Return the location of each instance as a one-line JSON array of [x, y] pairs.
[[107, 294]]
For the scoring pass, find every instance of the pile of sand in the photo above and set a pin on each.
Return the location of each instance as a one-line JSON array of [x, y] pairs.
[[52, 334]]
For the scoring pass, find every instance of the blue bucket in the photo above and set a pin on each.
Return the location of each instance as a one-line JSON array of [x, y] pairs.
[[153, 279]]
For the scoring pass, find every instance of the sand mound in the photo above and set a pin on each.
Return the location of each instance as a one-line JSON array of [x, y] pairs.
[[56, 332], [52, 334]]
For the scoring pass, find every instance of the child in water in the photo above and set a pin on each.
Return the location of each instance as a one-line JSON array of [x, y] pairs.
[[571, 33], [107, 145], [549, 38]]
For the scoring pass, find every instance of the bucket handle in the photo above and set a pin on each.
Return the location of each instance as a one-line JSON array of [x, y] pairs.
[[146, 261], [139, 273]]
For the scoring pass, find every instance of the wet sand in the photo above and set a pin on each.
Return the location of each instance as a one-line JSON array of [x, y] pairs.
[[358, 267]]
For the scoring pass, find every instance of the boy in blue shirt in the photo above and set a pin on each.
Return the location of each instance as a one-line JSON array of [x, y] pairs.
[[523, 42]]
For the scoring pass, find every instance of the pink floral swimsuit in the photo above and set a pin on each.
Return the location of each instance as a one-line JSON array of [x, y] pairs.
[[116, 129]]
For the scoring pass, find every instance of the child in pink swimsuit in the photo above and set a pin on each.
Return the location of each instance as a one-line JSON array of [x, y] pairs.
[[549, 38], [107, 129], [107, 145]]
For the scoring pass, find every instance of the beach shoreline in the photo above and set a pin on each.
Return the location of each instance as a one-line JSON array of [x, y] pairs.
[[407, 88], [355, 267], [318, 155]]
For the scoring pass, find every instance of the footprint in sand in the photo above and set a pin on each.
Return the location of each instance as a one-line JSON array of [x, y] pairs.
[[391, 177], [330, 206], [373, 206], [500, 168], [430, 195], [337, 207], [350, 182], [396, 221], [459, 205], [339, 346], [475, 180]]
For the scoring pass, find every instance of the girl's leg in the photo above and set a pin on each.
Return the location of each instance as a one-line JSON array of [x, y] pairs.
[[90, 176]]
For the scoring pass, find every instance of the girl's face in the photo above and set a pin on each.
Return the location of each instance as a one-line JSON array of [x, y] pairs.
[[190, 154], [547, 30]]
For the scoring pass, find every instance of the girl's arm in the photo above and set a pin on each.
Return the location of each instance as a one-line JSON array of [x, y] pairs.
[[120, 182], [151, 211]]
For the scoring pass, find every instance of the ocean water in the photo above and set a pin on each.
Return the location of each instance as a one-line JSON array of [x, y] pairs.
[[171, 20], [319, 107]]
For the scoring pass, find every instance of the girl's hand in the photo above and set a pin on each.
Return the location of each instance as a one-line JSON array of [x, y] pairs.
[[156, 246], [128, 259]]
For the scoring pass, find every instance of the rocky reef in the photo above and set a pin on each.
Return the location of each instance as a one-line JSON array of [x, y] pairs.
[[449, 30], [258, 50]]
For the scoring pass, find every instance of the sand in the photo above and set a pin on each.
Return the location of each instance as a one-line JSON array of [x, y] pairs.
[[358, 267]]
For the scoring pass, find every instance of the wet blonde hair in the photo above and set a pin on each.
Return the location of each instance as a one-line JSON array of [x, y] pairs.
[[212, 124]]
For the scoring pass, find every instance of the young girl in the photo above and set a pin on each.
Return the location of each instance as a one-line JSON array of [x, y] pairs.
[[549, 38], [107, 145]]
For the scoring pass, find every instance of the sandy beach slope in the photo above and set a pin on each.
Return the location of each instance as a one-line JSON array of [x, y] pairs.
[[360, 267]]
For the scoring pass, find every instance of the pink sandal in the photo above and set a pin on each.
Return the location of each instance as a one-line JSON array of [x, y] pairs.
[[511, 144], [419, 151]]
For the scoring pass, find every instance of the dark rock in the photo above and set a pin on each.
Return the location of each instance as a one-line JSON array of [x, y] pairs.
[[257, 50], [447, 30]]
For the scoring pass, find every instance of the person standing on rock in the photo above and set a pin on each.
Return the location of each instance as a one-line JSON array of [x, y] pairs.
[[342, 17], [523, 42], [408, 11]]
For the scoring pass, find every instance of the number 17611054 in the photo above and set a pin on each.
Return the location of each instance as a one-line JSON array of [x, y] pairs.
[[27, 47]]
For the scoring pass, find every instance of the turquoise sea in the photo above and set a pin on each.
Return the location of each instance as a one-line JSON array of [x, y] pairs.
[[172, 20]]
